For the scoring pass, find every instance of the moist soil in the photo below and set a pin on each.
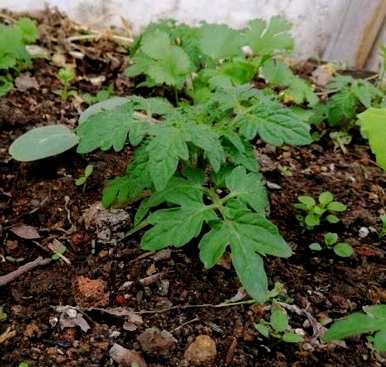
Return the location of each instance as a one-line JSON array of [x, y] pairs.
[[172, 292]]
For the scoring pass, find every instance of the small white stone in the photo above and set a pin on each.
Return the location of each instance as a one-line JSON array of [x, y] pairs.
[[363, 232]]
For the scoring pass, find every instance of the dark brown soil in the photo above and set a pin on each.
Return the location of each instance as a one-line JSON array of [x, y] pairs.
[[43, 195]]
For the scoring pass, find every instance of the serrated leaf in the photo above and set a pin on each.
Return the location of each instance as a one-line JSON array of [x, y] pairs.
[[341, 106], [279, 318], [274, 124], [109, 129], [165, 150], [176, 226], [249, 188], [205, 138], [110, 104], [155, 43], [230, 97], [373, 127], [266, 38], [213, 245], [43, 142], [152, 106], [178, 191], [28, 29], [278, 73], [128, 188], [218, 41]]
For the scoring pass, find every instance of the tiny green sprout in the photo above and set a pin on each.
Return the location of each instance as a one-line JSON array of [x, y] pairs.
[[23, 364], [66, 76], [82, 180], [102, 95], [58, 250], [311, 213], [341, 249], [341, 139], [382, 232], [278, 326], [3, 315]]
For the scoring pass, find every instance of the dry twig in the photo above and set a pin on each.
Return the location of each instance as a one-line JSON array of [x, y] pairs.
[[10, 277]]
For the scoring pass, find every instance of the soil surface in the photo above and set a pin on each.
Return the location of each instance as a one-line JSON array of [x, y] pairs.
[[119, 291]]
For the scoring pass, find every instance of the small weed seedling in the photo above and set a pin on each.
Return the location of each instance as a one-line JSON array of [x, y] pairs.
[[278, 326], [341, 249], [66, 76], [340, 140], [382, 232], [82, 180], [102, 95], [372, 321], [312, 213], [23, 364]]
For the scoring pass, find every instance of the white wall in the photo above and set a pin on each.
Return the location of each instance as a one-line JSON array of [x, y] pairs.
[[316, 22]]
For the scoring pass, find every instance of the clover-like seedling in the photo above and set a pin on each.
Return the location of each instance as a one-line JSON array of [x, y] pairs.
[[82, 180], [312, 213], [342, 249], [66, 76], [278, 326]]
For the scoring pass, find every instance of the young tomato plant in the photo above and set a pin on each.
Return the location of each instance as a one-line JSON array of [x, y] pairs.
[[311, 213], [194, 168]]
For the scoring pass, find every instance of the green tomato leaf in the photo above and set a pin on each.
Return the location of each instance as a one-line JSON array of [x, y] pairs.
[[205, 138], [249, 188], [165, 150], [109, 129], [266, 38], [218, 41], [110, 104], [373, 127], [176, 226], [178, 191], [213, 246], [43, 142], [275, 124]]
